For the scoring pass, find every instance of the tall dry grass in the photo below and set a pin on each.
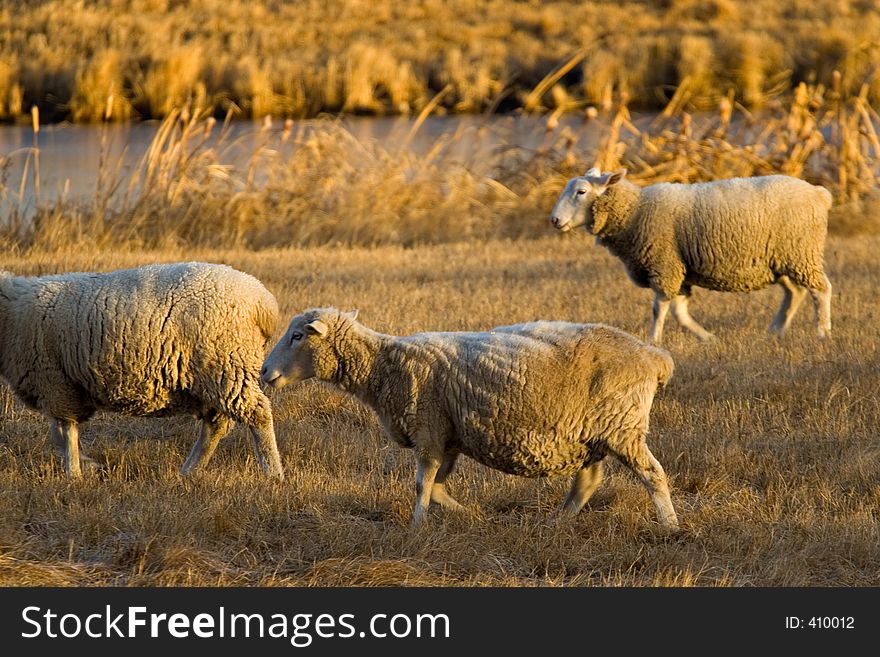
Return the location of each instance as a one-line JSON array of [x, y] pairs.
[[300, 59], [313, 182], [771, 446]]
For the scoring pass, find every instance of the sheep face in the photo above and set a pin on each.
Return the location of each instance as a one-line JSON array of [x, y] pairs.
[[292, 358], [575, 205], [306, 350]]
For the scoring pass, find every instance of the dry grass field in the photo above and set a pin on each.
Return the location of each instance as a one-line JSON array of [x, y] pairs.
[[771, 446], [296, 59]]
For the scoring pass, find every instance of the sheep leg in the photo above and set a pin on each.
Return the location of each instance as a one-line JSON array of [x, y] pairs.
[[59, 443], [661, 308], [792, 296], [683, 317], [438, 491], [651, 474], [822, 303], [210, 433], [265, 447], [65, 437], [583, 485], [428, 466]]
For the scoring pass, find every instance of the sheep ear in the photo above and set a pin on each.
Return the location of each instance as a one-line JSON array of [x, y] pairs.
[[594, 172], [317, 327], [616, 177], [353, 314]]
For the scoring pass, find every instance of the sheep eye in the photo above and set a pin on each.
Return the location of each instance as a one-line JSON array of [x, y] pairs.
[[296, 335], [581, 192]]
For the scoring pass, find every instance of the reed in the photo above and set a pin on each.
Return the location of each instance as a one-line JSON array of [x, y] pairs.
[[307, 183]]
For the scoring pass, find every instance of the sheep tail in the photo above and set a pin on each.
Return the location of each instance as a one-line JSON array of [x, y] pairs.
[[825, 197], [664, 364], [266, 315]]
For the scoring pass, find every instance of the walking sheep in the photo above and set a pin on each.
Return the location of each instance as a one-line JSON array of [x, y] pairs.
[[537, 399], [733, 235], [158, 340]]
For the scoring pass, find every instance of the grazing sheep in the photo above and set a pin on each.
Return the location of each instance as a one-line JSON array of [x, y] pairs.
[[157, 340], [537, 399], [733, 235]]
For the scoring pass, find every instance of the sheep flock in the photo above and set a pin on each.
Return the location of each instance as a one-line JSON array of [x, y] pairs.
[[537, 399]]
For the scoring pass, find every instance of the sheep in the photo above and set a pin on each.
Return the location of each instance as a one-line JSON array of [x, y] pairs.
[[185, 338], [535, 399], [734, 235]]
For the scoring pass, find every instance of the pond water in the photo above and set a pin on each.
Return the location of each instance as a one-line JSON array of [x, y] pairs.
[[70, 157]]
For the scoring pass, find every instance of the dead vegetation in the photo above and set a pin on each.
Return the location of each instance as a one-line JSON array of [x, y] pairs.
[[770, 446], [314, 182], [383, 57]]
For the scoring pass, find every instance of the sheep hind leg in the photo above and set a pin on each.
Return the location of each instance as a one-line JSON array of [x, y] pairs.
[[265, 446], [683, 317], [212, 430], [792, 297], [583, 485], [649, 471], [59, 443], [660, 310], [438, 491], [822, 303]]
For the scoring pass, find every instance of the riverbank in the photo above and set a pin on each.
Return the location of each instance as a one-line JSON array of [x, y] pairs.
[[190, 180]]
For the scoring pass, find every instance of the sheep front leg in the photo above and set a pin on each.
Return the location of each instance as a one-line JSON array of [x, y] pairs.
[[426, 473], [661, 308], [65, 436], [59, 443], [212, 430], [583, 485], [438, 491]]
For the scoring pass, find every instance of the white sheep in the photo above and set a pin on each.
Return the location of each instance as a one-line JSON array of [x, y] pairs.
[[184, 338], [733, 235], [537, 399]]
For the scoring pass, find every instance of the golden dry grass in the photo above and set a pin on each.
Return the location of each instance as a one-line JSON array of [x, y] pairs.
[[771, 446], [380, 56]]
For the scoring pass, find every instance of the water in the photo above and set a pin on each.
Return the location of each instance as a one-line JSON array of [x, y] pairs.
[[71, 156]]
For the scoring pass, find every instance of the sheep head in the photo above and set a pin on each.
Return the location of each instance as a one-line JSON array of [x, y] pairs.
[[306, 350], [574, 206]]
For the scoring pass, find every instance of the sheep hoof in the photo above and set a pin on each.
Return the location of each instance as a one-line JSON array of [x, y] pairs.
[[86, 465], [556, 519], [89, 464], [670, 527]]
